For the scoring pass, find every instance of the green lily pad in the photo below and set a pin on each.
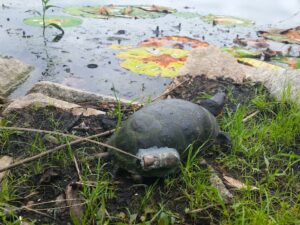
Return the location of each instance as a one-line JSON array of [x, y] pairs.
[[187, 15], [288, 61], [63, 21], [291, 35], [119, 11], [241, 52], [227, 20]]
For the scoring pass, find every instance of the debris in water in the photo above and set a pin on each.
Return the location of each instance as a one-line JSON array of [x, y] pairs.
[[92, 66]]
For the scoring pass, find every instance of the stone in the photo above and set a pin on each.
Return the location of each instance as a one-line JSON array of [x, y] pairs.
[[12, 73], [69, 94], [38, 100], [213, 63], [278, 82]]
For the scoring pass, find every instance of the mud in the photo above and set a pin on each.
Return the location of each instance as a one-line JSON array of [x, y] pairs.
[[127, 193]]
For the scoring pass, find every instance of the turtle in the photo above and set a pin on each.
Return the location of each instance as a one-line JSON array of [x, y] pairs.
[[157, 136]]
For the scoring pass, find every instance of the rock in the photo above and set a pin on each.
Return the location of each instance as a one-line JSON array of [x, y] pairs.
[[278, 82], [12, 73], [213, 63], [69, 94], [38, 100], [2, 100], [4, 162]]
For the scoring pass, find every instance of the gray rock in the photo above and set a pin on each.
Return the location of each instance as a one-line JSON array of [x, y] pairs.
[[281, 83], [39, 100], [69, 94], [213, 63], [12, 73]]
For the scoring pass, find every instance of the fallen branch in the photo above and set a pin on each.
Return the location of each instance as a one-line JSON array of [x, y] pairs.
[[250, 116], [79, 139], [38, 156]]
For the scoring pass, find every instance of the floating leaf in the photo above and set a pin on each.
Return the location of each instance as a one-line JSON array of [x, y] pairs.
[[180, 42], [122, 47], [122, 11], [289, 61], [241, 52], [291, 35], [61, 21], [258, 64], [227, 20], [187, 15], [165, 62]]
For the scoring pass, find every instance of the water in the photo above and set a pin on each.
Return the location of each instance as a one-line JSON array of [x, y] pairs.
[[66, 61]]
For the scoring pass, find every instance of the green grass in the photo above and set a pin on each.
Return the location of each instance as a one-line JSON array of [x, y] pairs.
[[265, 153]]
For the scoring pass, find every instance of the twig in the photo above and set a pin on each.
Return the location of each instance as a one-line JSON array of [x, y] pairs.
[[77, 168], [80, 139], [250, 116], [169, 91], [201, 209], [37, 212], [61, 207], [38, 156]]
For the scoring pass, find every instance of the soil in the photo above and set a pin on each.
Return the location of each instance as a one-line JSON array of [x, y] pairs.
[[52, 181]]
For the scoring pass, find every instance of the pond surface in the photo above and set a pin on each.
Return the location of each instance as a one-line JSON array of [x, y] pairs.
[[66, 61]]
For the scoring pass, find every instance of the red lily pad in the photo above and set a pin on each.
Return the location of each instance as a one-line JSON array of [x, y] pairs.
[[179, 42]]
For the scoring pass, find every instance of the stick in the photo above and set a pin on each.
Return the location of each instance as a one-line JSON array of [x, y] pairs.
[[69, 135], [250, 116], [77, 168], [38, 156], [169, 91]]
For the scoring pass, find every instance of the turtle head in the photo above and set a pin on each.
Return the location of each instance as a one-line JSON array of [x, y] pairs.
[[215, 104], [164, 159]]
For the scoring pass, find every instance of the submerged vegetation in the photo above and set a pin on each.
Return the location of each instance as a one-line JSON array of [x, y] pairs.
[[264, 155]]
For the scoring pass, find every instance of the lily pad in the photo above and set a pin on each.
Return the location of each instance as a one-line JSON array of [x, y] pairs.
[[242, 52], [179, 42], [288, 61], [291, 35], [120, 47], [63, 21], [187, 15], [164, 62], [227, 20], [258, 63], [119, 11]]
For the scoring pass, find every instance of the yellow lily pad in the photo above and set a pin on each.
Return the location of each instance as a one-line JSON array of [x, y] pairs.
[[121, 47], [164, 62], [258, 64]]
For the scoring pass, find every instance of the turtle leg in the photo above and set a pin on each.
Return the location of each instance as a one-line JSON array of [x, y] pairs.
[[138, 179], [224, 140]]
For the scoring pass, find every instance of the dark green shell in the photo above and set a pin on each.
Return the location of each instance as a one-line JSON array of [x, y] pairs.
[[172, 123]]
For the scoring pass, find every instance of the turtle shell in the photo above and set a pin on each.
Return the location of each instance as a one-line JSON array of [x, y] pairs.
[[171, 123]]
